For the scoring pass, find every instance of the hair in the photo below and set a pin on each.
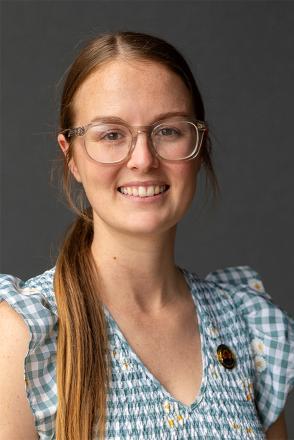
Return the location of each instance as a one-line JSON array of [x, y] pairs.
[[83, 359]]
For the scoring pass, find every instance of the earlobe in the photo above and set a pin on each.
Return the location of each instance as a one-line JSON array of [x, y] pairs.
[[64, 145]]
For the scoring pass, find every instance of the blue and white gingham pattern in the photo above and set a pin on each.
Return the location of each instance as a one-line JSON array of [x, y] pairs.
[[34, 300], [232, 309], [272, 329]]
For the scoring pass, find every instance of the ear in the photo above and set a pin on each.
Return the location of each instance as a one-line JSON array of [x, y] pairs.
[[64, 145]]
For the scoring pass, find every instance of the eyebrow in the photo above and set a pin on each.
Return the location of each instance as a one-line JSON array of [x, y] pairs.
[[158, 118]]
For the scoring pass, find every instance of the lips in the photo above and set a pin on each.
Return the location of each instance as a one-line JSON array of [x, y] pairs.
[[143, 190]]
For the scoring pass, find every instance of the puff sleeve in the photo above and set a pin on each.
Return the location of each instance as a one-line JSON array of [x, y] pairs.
[[272, 338], [34, 301]]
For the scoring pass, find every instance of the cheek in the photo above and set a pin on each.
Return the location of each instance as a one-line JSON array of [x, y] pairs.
[[186, 176], [98, 181]]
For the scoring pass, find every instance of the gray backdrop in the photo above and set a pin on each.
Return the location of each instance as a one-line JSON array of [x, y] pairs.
[[242, 56]]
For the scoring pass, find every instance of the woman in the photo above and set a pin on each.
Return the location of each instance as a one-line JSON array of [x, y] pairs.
[[117, 340]]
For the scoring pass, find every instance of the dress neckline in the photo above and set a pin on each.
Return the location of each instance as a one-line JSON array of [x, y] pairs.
[[200, 311]]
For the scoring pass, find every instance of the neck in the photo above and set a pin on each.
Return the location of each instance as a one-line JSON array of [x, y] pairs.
[[136, 273]]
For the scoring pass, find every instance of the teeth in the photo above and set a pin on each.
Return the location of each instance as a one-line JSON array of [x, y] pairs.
[[143, 191], [150, 191]]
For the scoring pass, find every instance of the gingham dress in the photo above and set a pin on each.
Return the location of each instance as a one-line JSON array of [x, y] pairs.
[[233, 309]]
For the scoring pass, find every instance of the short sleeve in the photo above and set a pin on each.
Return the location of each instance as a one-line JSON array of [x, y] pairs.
[[29, 301], [33, 300], [272, 338]]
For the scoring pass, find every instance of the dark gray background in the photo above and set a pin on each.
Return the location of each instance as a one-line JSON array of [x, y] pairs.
[[242, 56]]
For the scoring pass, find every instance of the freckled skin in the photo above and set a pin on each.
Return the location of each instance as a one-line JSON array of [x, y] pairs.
[[135, 91]]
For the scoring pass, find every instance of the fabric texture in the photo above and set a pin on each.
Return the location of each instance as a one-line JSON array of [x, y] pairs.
[[233, 309]]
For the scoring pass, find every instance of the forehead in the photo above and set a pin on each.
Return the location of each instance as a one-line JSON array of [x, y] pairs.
[[131, 90]]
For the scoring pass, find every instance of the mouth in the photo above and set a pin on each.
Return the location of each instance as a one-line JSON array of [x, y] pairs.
[[143, 192]]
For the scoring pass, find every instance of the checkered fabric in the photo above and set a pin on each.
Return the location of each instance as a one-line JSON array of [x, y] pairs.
[[272, 338], [239, 403]]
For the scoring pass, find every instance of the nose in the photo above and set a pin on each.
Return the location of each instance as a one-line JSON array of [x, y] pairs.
[[143, 157]]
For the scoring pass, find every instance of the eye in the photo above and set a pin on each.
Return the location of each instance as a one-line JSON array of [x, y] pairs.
[[112, 136], [168, 131], [106, 134]]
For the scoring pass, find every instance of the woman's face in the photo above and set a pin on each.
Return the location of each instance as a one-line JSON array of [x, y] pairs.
[[139, 93]]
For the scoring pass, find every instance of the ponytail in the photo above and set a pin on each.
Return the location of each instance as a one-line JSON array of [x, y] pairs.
[[82, 346]]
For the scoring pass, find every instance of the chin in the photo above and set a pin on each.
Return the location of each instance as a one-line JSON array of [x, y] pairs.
[[147, 229]]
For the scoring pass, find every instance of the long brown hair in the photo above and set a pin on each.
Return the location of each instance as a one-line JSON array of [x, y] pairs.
[[83, 361]]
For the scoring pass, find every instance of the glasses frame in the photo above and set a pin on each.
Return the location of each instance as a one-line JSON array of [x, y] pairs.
[[200, 126]]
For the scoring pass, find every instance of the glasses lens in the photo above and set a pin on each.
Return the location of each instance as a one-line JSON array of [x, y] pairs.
[[108, 143], [176, 140]]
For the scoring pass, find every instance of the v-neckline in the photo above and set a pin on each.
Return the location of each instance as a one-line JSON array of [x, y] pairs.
[[192, 288]]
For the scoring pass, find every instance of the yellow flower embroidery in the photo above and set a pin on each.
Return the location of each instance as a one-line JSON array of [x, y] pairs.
[[180, 419], [235, 425], [247, 387], [115, 354], [174, 418], [125, 365], [166, 406], [171, 423], [177, 420]]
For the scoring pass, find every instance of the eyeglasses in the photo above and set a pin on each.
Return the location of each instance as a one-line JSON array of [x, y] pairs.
[[110, 143]]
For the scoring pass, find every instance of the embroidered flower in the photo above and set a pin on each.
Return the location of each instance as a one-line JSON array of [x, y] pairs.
[[173, 416], [260, 363], [256, 285], [177, 420], [124, 361], [257, 346], [126, 364], [166, 406], [180, 419], [247, 388], [115, 353], [235, 425], [259, 349]]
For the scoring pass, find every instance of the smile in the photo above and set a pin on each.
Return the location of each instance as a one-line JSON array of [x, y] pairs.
[[143, 192]]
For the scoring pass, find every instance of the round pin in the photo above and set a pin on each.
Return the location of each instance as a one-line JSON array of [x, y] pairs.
[[226, 357]]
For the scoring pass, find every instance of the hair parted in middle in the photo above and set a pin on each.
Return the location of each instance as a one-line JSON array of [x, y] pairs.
[[83, 360]]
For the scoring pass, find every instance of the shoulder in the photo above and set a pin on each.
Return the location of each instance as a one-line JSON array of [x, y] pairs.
[[33, 300], [270, 329], [29, 309], [14, 343]]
